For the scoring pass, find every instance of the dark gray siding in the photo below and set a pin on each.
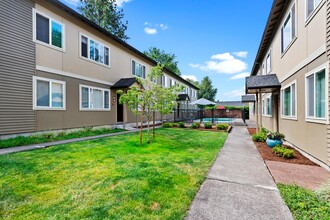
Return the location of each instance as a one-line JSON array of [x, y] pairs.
[[17, 65]]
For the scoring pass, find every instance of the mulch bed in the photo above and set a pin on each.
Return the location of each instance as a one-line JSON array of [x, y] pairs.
[[267, 154]]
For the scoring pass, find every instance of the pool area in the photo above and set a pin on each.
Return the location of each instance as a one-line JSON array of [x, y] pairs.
[[217, 119]]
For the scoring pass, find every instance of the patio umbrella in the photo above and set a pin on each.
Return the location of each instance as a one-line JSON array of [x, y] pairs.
[[202, 101]]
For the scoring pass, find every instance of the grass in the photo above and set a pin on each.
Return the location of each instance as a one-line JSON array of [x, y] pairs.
[[49, 137], [109, 178], [304, 203]]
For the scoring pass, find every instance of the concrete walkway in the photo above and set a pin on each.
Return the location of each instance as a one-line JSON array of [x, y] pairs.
[[238, 185]]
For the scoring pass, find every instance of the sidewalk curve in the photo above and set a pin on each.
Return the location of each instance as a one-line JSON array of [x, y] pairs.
[[238, 185]]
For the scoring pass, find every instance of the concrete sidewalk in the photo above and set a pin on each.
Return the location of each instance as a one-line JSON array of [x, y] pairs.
[[238, 185]]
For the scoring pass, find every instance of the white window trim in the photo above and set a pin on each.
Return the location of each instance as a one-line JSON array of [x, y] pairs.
[[35, 107], [265, 107], [165, 79], [88, 52], [268, 71], [295, 117], [308, 18], [34, 19], [289, 12], [94, 109], [141, 63], [314, 119]]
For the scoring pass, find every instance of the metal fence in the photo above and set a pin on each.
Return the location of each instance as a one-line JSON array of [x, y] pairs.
[[187, 115]]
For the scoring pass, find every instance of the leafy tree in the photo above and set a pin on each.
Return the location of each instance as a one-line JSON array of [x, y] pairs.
[[206, 89], [149, 98], [105, 14], [195, 83], [167, 59]]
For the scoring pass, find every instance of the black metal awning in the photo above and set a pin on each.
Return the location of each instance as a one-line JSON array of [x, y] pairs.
[[124, 83], [183, 97], [248, 98], [264, 84]]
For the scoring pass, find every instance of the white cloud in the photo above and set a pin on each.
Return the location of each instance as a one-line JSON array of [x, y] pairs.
[[120, 3], [192, 77], [150, 30], [235, 93], [222, 63], [242, 54], [222, 56], [163, 26], [241, 75]]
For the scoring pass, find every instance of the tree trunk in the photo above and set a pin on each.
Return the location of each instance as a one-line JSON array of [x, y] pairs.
[[141, 130], [148, 119], [153, 125]]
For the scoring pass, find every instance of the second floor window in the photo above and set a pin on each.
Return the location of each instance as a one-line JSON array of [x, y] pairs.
[[48, 31], [138, 69], [310, 6], [94, 50], [288, 30], [268, 64]]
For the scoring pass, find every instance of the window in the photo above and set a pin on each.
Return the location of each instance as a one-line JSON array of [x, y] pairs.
[[48, 31], [49, 94], [268, 64], [267, 106], [93, 98], [94, 50], [163, 80], [171, 82], [288, 30], [316, 95], [288, 97], [310, 6], [138, 69], [263, 69]]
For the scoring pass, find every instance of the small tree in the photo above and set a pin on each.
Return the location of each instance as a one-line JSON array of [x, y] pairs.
[[149, 98]]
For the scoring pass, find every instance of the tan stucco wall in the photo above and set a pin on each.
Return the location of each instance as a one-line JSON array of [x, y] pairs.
[[72, 117]]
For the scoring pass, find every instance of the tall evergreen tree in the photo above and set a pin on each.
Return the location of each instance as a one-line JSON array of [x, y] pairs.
[[206, 89], [167, 59], [105, 14]]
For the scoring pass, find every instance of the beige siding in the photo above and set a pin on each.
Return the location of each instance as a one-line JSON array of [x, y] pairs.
[[72, 117]]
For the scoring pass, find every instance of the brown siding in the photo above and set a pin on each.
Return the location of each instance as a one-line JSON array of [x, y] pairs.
[[17, 65], [72, 117], [328, 55]]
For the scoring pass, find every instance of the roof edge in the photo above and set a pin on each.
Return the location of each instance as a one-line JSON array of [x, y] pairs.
[[72, 12]]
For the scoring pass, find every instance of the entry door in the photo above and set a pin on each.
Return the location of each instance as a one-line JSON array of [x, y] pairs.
[[120, 110]]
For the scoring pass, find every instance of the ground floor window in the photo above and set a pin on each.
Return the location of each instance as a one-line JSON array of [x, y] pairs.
[[267, 106], [49, 94], [288, 100], [316, 95], [93, 98]]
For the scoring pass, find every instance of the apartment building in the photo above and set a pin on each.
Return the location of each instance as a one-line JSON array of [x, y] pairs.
[[290, 76], [60, 71]]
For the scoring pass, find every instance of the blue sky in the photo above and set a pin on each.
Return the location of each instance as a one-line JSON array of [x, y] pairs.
[[215, 38]]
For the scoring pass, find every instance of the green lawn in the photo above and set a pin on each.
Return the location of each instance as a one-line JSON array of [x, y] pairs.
[[110, 178], [50, 136], [304, 203]]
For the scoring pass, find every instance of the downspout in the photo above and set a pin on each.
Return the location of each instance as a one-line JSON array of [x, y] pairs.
[[260, 105], [257, 112]]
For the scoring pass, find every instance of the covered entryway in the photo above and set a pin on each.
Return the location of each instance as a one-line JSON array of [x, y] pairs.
[[259, 85]]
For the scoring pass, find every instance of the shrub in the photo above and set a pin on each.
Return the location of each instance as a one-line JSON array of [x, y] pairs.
[[194, 126], [61, 134], [87, 129], [49, 136], [167, 125], [198, 124], [263, 130], [181, 125], [324, 192], [208, 125], [222, 127], [283, 152], [259, 137], [175, 125]]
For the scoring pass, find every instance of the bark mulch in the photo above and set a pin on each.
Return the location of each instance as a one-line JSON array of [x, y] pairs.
[[267, 153]]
